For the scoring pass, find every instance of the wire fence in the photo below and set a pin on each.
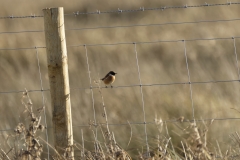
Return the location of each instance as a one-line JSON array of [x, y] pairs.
[[43, 99], [139, 84], [141, 9], [128, 26], [134, 85]]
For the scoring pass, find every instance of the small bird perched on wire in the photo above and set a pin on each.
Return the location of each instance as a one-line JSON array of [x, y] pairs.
[[109, 78]]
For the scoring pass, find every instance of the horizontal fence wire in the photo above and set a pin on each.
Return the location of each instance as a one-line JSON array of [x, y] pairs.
[[133, 85], [154, 24], [25, 48], [157, 41], [128, 26], [15, 32], [141, 9], [125, 43], [142, 123], [22, 91]]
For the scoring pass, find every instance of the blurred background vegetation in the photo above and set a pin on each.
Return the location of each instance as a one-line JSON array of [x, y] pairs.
[[210, 60]]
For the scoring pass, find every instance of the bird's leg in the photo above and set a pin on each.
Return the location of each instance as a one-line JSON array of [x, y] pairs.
[[111, 86], [106, 87]]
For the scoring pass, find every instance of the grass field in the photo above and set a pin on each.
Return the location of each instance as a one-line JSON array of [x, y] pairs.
[[159, 63]]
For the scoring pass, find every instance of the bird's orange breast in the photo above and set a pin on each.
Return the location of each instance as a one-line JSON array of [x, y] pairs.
[[109, 80]]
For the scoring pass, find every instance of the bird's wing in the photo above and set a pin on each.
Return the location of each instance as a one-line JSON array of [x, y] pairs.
[[105, 77]]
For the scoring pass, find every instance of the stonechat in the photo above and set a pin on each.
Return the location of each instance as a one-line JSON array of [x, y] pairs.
[[109, 78]]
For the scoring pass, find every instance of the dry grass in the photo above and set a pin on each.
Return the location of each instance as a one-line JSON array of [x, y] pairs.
[[27, 144], [159, 63]]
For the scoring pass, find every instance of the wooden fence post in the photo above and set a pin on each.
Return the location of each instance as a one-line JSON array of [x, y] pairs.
[[59, 81]]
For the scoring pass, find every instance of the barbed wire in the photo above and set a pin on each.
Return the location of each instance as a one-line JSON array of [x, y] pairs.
[[128, 26], [141, 9], [26, 48], [143, 123], [15, 17]]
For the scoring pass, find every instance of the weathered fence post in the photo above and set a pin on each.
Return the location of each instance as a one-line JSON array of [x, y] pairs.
[[58, 78]]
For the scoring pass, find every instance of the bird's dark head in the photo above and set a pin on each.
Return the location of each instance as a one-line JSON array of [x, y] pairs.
[[112, 73]]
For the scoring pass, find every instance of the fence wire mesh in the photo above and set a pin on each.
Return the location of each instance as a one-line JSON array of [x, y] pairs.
[[90, 69]]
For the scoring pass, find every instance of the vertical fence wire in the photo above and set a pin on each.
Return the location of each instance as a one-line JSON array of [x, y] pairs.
[[43, 100], [235, 52], [189, 79], [90, 82], [236, 57], [143, 106]]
